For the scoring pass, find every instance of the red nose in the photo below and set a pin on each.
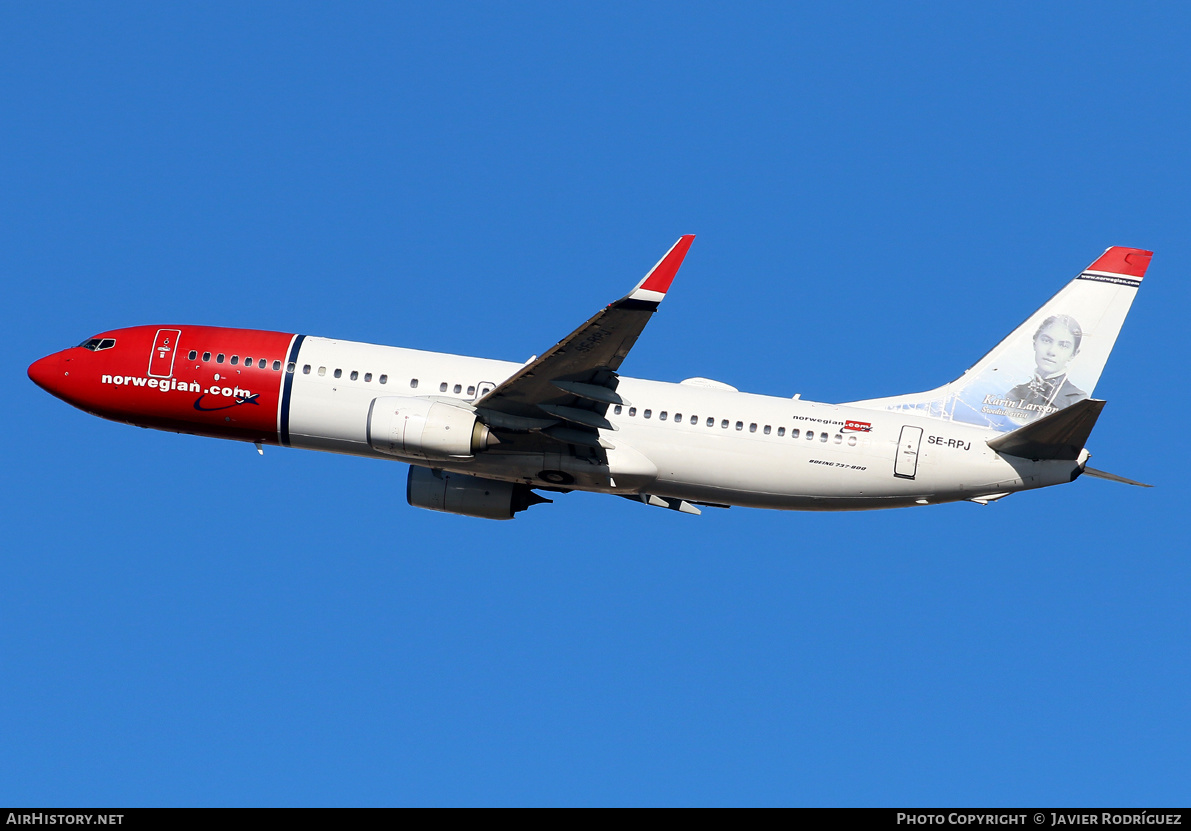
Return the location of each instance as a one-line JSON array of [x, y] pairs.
[[47, 373]]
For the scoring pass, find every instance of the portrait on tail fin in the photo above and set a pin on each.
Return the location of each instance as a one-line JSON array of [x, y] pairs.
[[1056, 344]]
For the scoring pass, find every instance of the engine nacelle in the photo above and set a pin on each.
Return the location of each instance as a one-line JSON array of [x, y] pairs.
[[460, 493], [405, 426]]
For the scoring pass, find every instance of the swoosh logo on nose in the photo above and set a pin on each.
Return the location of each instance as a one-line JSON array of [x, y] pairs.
[[252, 399]]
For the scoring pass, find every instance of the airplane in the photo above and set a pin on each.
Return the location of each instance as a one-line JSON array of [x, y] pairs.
[[483, 437]]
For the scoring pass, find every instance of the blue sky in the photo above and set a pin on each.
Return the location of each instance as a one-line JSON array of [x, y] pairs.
[[881, 192]]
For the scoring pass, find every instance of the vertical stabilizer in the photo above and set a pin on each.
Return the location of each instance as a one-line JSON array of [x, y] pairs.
[[1051, 361]]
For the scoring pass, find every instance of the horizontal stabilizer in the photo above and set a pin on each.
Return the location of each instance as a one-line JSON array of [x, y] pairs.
[[1058, 436], [1112, 477]]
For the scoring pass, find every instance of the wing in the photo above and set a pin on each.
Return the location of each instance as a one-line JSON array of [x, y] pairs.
[[563, 394]]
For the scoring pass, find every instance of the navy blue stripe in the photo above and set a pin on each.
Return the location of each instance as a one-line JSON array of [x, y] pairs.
[[1104, 278], [288, 390], [635, 305]]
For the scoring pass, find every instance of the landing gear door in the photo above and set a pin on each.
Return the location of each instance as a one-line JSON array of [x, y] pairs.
[[161, 360], [905, 466]]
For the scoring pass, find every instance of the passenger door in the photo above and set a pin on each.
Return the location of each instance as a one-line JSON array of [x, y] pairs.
[[905, 466], [161, 359]]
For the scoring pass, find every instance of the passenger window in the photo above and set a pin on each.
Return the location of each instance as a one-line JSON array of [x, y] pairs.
[[678, 418], [694, 419], [458, 388], [306, 369], [355, 376], [662, 415], [367, 377], [471, 390], [781, 431], [442, 387], [711, 421], [767, 429], [219, 358], [851, 441], [647, 414], [384, 379], [235, 359], [724, 424], [752, 428], [838, 438], [322, 370], [794, 432], [810, 435], [290, 367], [616, 410], [632, 411], [206, 356], [276, 366], [822, 437], [338, 373], [192, 355], [248, 362], [413, 383], [740, 425], [261, 363]]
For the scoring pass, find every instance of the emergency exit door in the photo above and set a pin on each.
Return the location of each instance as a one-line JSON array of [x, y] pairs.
[[161, 359], [905, 466]]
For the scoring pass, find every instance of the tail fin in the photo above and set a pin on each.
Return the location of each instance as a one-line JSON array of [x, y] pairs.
[[1049, 362]]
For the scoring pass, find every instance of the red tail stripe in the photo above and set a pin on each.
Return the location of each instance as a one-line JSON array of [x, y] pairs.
[[1129, 261]]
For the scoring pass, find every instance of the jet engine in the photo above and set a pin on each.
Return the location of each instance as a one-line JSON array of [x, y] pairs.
[[424, 429], [461, 493]]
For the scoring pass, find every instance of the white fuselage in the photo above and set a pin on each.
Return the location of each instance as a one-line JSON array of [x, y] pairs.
[[685, 441]]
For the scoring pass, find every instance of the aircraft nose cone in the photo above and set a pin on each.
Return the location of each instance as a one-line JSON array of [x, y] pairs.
[[46, 373]]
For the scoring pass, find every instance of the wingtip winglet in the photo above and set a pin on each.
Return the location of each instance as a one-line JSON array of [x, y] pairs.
[[1130, 262], [658, 280]]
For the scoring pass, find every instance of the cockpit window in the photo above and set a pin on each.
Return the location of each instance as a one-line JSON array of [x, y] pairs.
[[96, 344]]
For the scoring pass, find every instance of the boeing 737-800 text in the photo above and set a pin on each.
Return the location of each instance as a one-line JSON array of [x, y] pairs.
[[482, 435]]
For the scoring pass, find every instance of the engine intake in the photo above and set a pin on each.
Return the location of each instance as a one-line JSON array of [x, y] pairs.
[[460, 493], [424, 429]]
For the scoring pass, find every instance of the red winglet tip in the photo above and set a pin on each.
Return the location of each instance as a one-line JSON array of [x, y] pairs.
[[662, 276], [1131, 262]]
